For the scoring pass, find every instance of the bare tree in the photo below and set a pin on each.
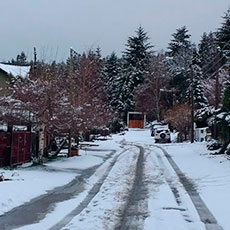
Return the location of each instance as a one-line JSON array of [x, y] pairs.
[[179, 118], [151, 96]]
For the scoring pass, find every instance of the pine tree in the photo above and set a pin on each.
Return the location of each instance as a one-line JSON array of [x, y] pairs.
[[195, 83], [226, 97], [111, 77], [134, 69], [136, 56], [199, 98], [125, 96], [179, 57], [222, 119], [179, 42], [223, 34], [21, 59], [208, 52]]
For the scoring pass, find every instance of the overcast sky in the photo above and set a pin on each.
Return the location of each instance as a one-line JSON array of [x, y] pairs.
[[53, 26]]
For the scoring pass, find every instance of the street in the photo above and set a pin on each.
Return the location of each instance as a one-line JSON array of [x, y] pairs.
[[133, 184]]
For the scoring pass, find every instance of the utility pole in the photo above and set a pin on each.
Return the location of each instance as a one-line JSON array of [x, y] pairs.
[[35, 58], [35, 63], [71, 95], [71, 62], [192, 105]]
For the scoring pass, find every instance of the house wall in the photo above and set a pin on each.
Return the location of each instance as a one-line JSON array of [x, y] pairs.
[[4, 82]]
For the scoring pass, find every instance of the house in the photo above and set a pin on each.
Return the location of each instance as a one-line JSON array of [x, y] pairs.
[[7, 72], [15, 143]]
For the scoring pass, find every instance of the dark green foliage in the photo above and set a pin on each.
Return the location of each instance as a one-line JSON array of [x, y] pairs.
[[195, 82], [117, 126], [223, 33], [180, 41], [111, 77], [222, 119], [21, 59], [135, 67], [209, 54], [180, 51], [136, 56], [226, 98]]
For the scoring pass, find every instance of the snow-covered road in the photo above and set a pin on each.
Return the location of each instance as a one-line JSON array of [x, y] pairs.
[[125, 183]]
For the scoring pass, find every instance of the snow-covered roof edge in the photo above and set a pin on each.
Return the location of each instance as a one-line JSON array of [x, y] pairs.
[[15, 70]]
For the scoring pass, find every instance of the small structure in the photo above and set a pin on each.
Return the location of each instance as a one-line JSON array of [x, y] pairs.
[[136, 120], [201, 134]]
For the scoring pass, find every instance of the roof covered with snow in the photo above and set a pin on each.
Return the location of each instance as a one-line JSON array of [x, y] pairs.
[[15, 70]]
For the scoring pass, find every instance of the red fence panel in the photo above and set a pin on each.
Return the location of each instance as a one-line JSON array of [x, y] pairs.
[[5, 148], [20, 147]]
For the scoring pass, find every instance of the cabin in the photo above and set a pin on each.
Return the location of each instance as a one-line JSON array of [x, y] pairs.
[[136, 120]]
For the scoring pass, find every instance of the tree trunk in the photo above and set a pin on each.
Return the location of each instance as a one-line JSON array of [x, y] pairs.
[[70, 144], [41, 143]]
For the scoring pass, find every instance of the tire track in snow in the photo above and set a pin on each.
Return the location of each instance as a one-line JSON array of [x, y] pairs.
[[135, 210], [92, 193], [205, 214], [36, 209]]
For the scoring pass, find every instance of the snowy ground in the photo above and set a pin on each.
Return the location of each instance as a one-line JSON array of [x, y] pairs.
[[26, 183], [164, 204]]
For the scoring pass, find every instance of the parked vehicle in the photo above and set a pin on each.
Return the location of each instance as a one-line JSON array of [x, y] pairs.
[[154, 127], [162, 134]]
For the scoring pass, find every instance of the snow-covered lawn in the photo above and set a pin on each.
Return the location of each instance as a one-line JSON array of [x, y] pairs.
[[26, 183], [210, 173]]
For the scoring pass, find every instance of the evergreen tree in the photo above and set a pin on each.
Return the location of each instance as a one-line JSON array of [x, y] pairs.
[[226, 97], [125, 96], [179, 57], [195, 83], [222, 118], [21, 59], [73, 61], [111, 77], [137, 56], [180, 41], [208, 52], [223, 34], [135, 67]]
